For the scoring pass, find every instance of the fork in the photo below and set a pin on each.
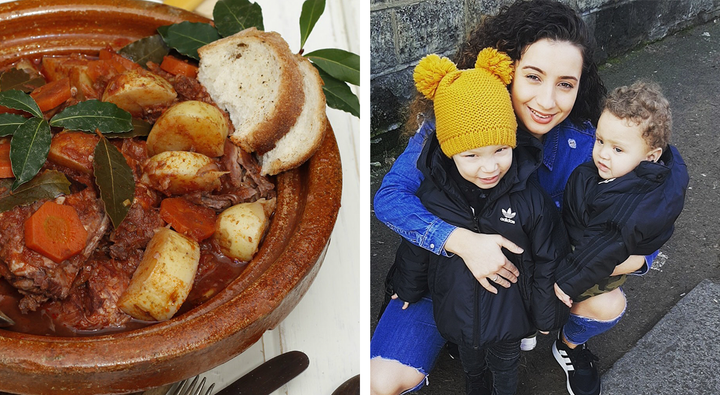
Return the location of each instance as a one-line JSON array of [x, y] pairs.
[[188, 387]]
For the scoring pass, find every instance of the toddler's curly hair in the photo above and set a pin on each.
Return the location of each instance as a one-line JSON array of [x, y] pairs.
[[643, 103]]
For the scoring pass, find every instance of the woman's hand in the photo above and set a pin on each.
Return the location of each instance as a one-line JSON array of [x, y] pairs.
[[405, 305], [483, 256], [563, 296]]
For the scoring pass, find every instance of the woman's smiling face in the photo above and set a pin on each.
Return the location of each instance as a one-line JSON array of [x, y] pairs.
[[545, 85]]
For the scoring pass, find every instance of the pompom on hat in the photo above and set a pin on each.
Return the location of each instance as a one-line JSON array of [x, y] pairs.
[[472, 107]]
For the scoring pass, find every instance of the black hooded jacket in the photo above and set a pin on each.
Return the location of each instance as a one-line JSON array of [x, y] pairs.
[[518, 209], [609, 220]]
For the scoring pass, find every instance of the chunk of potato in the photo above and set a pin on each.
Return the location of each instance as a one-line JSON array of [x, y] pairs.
[[239, 229], [181, 172], [74, 150], [189, 126], [134, 91], [163, 280]]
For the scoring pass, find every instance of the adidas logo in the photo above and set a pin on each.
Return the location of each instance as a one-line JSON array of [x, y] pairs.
[[508, 215]]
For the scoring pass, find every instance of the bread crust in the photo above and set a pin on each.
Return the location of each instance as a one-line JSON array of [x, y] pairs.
[[307, 135], [262, 136]]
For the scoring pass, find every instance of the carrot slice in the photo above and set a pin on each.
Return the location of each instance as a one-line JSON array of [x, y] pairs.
[[116, 58], [185, 217], [5, 166], [52, 94], [55, 231], [176, 66]]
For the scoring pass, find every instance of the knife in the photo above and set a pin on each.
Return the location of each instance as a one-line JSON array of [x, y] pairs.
[[269, 376]]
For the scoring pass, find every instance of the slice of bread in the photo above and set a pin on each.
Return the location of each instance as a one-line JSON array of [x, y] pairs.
[[304, 138], [253, 75]]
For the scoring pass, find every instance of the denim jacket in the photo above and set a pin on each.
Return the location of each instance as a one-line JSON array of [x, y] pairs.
[[564, 148]]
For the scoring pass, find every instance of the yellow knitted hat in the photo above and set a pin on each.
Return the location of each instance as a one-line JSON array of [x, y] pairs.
[[472, 107]]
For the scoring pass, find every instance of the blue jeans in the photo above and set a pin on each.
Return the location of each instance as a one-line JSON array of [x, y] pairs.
[[501, 359], [408, 336], [578, 329]]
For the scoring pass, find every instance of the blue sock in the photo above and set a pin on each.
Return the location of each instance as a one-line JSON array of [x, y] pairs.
[[579, 330]]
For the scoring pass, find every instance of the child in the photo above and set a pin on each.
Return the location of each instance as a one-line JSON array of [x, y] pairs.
[[624, 202], [473, 178]]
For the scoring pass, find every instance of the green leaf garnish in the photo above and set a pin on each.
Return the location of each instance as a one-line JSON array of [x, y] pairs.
[[339, 63], [19, 100], [187, 37], [232, 16], [114, 179], [9, 123], [93, 114], [311, 12], [148, 49], [28, 149], [20, 80], [140, 129], [48, 185], [338, 94]]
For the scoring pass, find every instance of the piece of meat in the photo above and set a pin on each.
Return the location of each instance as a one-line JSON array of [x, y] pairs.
[[92, 305], [137, 228], [248, 162], [39, 278]]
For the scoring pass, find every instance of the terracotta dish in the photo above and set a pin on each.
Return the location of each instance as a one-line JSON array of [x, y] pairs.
[[213, 333]]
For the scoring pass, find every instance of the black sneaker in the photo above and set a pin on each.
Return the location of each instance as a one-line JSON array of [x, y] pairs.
[[580, 370]]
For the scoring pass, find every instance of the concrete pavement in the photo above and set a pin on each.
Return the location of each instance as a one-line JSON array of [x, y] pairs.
[[667, 341]]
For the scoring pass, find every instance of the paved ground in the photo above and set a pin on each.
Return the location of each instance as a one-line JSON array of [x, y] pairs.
[[666, 343]]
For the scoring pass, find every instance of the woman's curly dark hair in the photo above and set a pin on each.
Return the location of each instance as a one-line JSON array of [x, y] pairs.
[[517, 26]]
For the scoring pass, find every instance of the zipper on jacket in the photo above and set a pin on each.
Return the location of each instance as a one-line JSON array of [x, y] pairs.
[[476, 296], [476, 318], [476, 227]]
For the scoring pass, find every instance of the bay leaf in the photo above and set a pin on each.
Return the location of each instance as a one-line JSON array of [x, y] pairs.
[[311, 12], [46, 185], [9, 123], [232, 16], [147, 49], [186, 37], [338, 94], [20, 100], [140, 129], [28, 149], [21, 80], [90, 115], [114, 179], [339, 63]]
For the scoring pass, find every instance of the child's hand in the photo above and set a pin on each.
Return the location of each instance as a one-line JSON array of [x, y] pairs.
[[405, 305], [562, 296]]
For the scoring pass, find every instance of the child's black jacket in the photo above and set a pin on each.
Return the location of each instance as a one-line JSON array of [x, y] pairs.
[[518, 209], [607, 221]]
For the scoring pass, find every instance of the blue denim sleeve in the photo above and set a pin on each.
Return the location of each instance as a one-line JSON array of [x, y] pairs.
[[396, 205]]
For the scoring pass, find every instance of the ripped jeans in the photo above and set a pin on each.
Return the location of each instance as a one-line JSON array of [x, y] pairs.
[[408, 336]]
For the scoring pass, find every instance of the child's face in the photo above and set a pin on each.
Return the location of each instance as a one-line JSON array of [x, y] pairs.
[[620, 147], [484, 166]]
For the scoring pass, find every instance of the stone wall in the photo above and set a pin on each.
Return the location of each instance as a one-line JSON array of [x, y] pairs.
[[403, 31]]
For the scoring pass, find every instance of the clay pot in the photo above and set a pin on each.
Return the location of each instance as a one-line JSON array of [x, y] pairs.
[[213, 333]]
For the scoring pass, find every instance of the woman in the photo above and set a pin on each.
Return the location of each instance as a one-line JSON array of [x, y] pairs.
[[556, 94]]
